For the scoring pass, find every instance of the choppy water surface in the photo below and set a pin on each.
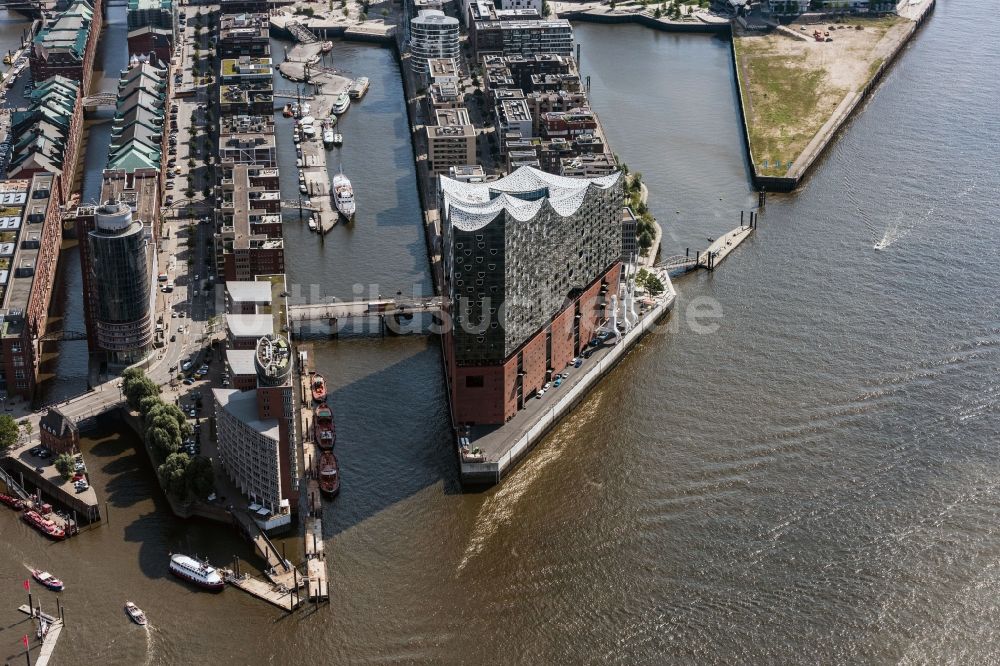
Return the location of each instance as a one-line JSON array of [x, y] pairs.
[[815, 481]]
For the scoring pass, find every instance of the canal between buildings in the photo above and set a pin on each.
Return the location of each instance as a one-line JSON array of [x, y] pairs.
[[813, 480]]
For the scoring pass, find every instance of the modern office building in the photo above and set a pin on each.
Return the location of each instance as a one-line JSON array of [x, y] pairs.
[[451, 140], [30, 239], [67, 43], [516, 32], [529, 262], [119, 267], [255, 431], [248, 297], [248, 140], [432, 35], [248, 240], [247, 86], [243, 35]]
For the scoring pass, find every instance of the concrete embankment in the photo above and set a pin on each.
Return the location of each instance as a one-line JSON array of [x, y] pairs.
[[504, 446], [665, 25], [848, 106]]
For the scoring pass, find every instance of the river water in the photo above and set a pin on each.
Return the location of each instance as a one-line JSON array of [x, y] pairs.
[[814, 480]]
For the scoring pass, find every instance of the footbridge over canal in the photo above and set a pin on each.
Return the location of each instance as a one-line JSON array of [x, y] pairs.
[[389, 313]]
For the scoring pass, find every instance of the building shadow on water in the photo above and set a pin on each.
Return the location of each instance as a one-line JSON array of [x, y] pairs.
[[392, 439]]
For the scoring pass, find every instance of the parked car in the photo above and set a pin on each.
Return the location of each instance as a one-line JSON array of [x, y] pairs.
[[186, 366]]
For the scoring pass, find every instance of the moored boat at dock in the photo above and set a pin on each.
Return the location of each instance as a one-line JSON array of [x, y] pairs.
[[135, 613], [324, 429], [328, 132], [201, 574], [343, 196], [341, 104], [329, 474], [44, 525], [338, 139], [15, 503], [48, 580], [326, 46], [287, 111], [318, 388], [358, 88]]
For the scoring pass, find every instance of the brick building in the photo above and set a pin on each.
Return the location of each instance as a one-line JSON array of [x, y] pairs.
[[529, 262]]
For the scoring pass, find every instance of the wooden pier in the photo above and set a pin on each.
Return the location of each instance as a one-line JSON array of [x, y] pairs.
[[50, 638], [276, 594]]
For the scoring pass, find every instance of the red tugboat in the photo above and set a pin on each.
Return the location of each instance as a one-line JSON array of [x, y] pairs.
[[15, 503], [329, 474], [44, 525], [324, 430], [319, 388], [48, 580]]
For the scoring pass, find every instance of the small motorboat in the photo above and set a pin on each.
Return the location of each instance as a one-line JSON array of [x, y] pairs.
[[136, 614], [318, 388], [312, 223], [287, 111], [338, 139], [48, 580], [326, 47]]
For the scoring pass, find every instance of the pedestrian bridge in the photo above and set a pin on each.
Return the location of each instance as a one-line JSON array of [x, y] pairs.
[[336, 310]]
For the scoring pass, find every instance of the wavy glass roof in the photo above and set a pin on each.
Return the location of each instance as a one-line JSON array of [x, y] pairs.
[[521, 194]]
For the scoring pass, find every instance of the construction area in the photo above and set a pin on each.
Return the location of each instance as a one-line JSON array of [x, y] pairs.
[[800, 81]]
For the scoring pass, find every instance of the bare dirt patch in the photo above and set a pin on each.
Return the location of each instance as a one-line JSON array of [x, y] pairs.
[[791, 86]]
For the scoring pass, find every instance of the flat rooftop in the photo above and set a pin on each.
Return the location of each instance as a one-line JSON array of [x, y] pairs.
[[248, 291]]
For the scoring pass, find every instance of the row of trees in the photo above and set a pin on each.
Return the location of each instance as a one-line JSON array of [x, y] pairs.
[[646, 226], [164, 430]]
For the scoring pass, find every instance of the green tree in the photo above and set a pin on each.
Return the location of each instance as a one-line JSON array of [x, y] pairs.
[[9, 432], [138, 389], [200, 477], [65, 464], [172, 475], [148, 403], [645, 241]]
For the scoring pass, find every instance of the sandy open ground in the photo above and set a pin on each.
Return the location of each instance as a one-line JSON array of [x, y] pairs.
[[792, 83]]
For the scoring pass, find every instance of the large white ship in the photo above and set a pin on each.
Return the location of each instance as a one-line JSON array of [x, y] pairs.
[[343, 196], [201, 574]]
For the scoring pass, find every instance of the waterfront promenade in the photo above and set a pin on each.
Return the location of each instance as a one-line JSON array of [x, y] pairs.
[[494, 450]]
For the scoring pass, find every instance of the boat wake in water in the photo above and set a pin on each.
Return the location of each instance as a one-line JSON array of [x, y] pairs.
[[901, 227]]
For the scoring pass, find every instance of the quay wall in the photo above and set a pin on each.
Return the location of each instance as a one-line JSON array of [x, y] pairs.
[[650, 22], [490, 473], [21, 471], [803, 165], [179, 509]]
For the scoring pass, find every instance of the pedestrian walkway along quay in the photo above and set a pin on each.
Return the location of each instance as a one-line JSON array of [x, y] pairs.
[[487, 453]]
